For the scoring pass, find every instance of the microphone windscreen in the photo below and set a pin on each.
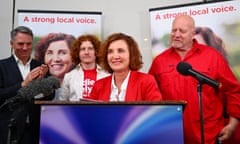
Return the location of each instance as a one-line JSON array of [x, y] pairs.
[[52, 82], [43, 85], [184, 68]]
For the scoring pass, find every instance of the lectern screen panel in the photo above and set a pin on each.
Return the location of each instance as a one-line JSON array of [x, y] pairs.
[[111, 124]]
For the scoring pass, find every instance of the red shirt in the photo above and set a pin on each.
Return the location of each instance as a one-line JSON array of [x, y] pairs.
[[90, 77], [174, 86]]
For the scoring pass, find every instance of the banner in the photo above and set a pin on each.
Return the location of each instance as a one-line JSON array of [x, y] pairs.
[[214, 19], [74, 23], [54, 32]]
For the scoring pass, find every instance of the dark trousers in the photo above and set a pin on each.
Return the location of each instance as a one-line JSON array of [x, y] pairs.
[[23, 136], [3, 131]]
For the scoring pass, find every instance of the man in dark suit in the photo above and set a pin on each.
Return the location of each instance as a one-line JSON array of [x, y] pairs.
[[16, 72]]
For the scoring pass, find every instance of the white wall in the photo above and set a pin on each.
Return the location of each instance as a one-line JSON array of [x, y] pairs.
[[127, 16], [6, 26]]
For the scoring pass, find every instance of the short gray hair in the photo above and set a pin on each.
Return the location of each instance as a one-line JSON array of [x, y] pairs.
[[21, 29]]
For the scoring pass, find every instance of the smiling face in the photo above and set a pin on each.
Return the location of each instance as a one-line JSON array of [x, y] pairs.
[[22, 46], [118, 56], [58, 58]]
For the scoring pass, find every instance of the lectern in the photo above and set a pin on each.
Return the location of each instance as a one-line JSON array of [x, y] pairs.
[[111, 122]]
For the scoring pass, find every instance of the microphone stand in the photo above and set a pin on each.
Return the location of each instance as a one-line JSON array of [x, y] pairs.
[[11, 127], [13, 132], [199, 90], [15, 123]]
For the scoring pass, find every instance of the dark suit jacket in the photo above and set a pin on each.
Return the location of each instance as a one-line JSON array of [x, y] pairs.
[[10, 83]]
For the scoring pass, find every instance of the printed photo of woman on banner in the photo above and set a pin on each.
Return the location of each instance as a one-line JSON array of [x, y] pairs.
[[54, 32]]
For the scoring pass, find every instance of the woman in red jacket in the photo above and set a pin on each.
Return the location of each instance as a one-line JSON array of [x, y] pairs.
[[120, 55]]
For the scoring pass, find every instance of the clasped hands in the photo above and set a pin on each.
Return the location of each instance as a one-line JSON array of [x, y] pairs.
[[38, 72]]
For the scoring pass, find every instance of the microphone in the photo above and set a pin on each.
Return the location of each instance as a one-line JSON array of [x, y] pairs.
[[186, 69], [45, 86]]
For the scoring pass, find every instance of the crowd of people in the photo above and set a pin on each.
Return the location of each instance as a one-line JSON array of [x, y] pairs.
[[89, 69]]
